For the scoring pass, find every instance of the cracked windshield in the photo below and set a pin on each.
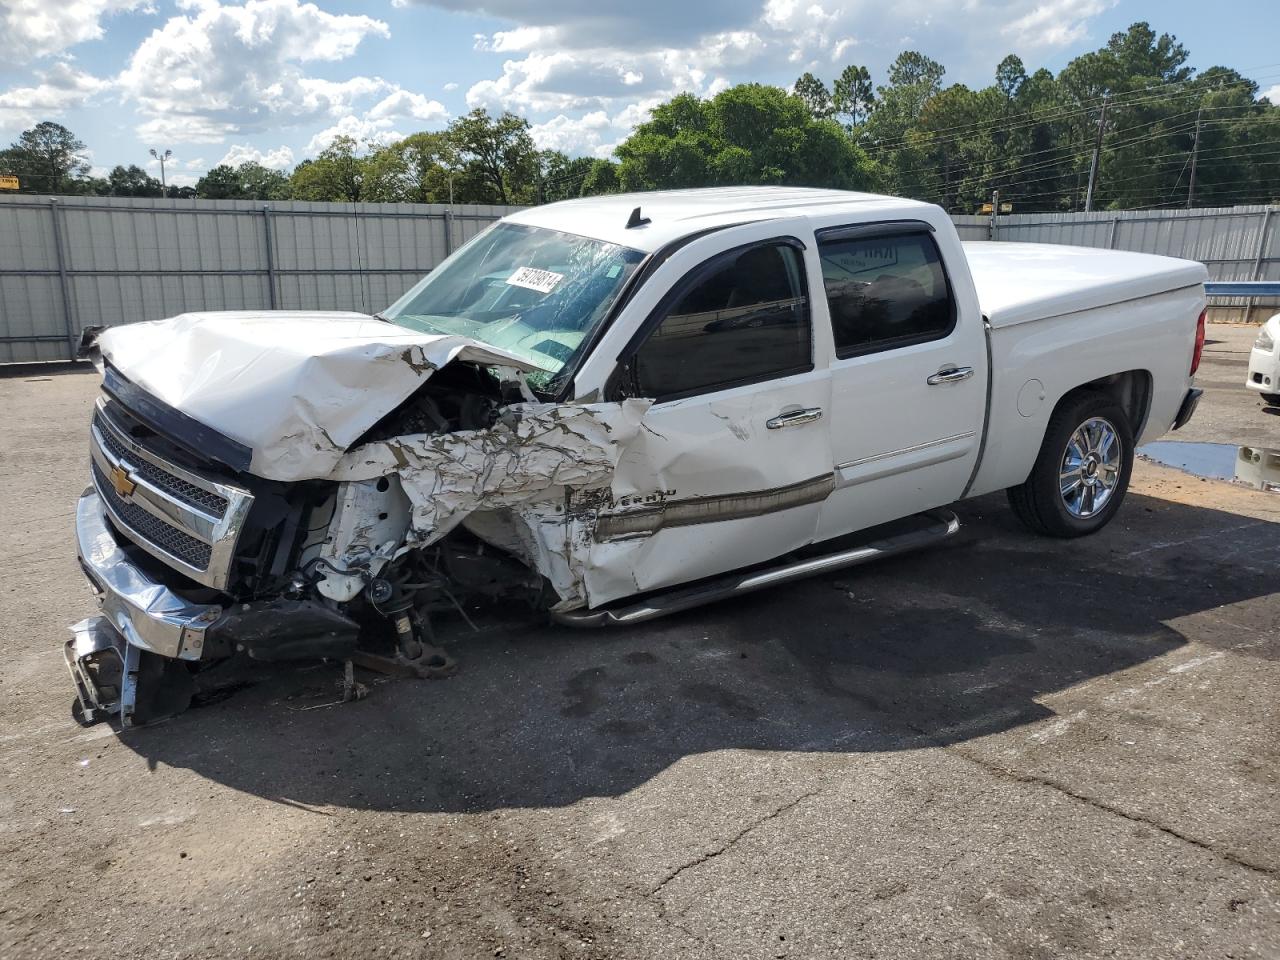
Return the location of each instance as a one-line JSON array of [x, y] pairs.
[[533, 292]]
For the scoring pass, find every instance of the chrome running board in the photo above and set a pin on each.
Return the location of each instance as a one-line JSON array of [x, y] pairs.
[[944, 524]]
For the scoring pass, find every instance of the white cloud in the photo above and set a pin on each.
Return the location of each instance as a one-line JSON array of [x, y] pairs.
[[1054, 23], [1273, 94], [58, 89], [360, 129], [30, 29], [414, 106], [450, 86], [220, 70], [585, 134], [280, 158]]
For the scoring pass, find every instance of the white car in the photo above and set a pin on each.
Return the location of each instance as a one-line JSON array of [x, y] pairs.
[[615, 408], [1264, 363]]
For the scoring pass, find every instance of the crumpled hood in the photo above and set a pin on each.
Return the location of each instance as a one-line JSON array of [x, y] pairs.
[[296, 387]]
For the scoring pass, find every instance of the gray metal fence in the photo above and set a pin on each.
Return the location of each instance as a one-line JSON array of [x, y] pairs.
[[71, 262]]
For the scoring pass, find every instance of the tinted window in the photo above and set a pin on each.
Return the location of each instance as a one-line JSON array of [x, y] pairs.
[[744, 318], [885, 292]]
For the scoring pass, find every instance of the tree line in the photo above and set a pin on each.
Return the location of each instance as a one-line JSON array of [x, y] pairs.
[[1153, 131]]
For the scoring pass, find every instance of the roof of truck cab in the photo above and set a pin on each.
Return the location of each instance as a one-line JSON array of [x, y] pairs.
[[674, 214], [1017, 282]]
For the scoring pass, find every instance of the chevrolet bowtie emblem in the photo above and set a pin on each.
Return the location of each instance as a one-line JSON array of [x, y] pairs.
[[124, 485]]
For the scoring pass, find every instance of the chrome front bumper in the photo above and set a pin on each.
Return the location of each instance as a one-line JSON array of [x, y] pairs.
[[147, 614], [104, 654]]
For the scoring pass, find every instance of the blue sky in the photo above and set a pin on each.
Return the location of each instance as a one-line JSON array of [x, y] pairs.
[[275, 80]]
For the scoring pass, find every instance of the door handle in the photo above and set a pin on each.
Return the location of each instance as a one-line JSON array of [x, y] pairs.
[[950, 375], [794, 418]]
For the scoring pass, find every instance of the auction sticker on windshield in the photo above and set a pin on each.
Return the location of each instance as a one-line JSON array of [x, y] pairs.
[[544, 281]]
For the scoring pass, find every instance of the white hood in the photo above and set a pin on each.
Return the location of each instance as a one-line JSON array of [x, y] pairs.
[[298, 388]]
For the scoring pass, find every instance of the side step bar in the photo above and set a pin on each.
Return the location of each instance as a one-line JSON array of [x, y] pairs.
[[943, 524]]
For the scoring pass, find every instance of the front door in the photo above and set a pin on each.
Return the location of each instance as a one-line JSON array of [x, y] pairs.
[[908, 381], [733, 458]]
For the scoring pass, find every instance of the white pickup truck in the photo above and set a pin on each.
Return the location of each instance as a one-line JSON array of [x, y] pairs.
[[616, 408]]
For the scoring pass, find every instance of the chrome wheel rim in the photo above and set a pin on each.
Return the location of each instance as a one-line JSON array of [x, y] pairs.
[[1090, 469]]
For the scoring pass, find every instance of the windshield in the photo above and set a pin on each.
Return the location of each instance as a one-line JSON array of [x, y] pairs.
[[533, 292]]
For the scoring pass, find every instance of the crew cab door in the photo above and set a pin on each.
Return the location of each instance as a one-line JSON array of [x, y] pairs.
[[733, 458], [909, 375]]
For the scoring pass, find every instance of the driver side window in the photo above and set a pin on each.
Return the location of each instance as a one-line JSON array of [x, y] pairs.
[[741, 318]]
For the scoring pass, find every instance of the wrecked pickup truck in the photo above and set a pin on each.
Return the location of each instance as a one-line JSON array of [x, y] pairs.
[[613, 408]]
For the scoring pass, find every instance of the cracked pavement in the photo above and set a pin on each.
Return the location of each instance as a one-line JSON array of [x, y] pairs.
[[1008, 747]]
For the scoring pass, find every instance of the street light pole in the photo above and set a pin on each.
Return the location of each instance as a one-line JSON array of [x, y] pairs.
[[162, 157]]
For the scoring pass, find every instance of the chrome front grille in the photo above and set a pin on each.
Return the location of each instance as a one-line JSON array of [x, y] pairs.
[[190, 522], [157, 532], [183, 490]]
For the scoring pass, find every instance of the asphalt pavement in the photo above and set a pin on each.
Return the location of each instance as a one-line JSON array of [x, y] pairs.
[[1006, 747]]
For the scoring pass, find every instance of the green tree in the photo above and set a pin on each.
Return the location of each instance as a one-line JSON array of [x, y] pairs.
[[601, 178], [248, 181], [560, 177], [854, 96], [417, 169], [219, 183], [815, 95], [337, 174], [1010, 76], [747, 134], [131, 181], [498, 158], [48, 158]]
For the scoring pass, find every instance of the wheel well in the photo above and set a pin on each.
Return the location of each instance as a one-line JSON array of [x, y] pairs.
[[1131, 389]]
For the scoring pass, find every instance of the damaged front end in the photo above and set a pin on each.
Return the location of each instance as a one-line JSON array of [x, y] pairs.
[[348, 540]]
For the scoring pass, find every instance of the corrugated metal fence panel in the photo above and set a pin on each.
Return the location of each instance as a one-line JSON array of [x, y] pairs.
[[141, 259], [973, 228], [127, 259]]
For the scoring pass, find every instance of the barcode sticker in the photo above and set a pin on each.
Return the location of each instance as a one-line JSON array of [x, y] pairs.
[[544, 281]]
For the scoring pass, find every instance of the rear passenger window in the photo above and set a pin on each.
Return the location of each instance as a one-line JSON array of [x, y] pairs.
[[741, 318], [885, 292]]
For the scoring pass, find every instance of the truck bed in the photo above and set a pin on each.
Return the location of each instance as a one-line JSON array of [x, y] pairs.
[[1019, 282]]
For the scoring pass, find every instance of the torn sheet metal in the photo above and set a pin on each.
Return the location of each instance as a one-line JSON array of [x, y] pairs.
[[298, 388], [530, 459]]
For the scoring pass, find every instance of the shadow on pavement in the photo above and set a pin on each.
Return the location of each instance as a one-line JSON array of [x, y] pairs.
[[927, 649]]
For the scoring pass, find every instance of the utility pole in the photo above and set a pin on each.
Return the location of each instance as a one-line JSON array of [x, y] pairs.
[[162, 157], [1195, 152], [1097, 155]]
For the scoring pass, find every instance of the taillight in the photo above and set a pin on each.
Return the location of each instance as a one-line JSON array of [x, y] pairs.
[[1195, 357]]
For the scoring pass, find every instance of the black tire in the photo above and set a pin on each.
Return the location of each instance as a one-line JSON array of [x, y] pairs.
[[1039, 502], [78, 714], [1271, 399]]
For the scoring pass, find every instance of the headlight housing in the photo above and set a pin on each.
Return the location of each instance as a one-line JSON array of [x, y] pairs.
[[1264, 342]]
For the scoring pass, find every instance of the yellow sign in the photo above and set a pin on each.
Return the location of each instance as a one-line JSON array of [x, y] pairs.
[[1004, 208], [8, 183]]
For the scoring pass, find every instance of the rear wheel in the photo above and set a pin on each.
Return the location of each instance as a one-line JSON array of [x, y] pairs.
[[1082, 472], [1271, 399]]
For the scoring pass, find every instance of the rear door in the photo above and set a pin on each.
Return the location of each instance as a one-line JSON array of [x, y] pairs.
[[908, 380], [733, 458]]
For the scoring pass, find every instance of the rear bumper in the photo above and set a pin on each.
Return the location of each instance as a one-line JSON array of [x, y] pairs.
[[1264, 371], [1188, 408], [143, 611]]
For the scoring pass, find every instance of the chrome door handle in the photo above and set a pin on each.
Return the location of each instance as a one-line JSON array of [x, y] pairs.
[[950, 375], [794, 418]]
